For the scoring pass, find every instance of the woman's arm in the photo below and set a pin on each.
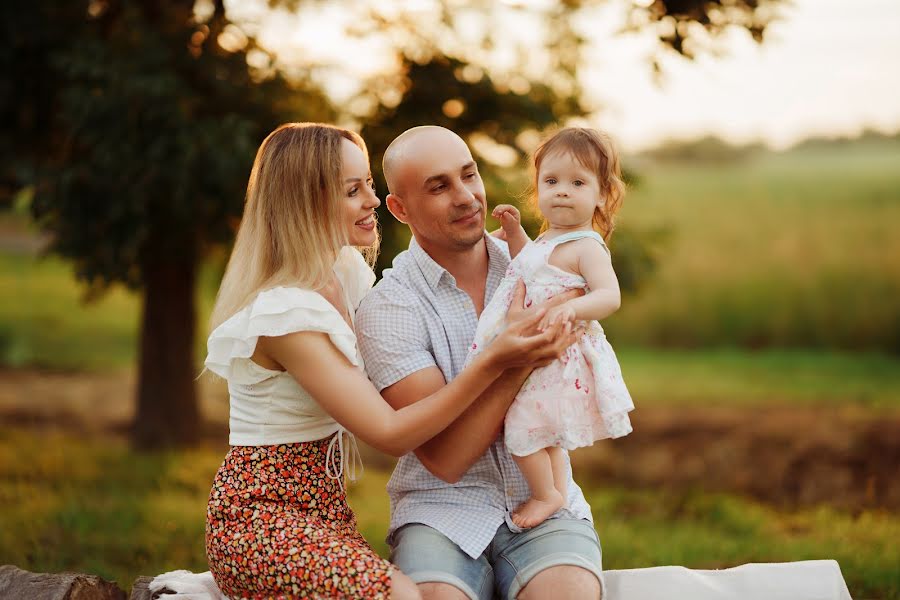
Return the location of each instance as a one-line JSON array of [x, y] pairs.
[[450, 453], [346, 394]]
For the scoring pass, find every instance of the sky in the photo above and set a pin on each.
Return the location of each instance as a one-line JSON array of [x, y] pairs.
[[827, 67]]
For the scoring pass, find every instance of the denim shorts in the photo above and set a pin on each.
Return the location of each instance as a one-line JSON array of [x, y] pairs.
[[507, 564]]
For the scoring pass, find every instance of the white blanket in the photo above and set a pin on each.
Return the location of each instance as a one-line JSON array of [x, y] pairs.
[[805, 580]]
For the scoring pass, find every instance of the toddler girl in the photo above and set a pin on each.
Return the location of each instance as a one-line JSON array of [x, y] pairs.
[[580, 398]]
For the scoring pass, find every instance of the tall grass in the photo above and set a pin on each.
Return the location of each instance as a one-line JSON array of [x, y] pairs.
[[790, 250]]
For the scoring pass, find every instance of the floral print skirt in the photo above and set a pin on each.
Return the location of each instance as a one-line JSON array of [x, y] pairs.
[[278, 527]]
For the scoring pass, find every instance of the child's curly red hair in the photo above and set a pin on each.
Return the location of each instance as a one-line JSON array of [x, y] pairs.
[[595, 151]]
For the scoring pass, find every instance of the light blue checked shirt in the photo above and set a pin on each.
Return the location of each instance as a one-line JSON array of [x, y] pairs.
[[414, 318]]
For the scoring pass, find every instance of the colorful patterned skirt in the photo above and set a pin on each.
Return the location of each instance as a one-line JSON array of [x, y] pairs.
[[278, 526]]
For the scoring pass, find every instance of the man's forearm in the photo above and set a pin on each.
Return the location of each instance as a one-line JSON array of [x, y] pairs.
[[449, 454]]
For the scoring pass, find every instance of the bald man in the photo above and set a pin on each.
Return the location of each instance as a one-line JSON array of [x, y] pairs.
[[451, 499]]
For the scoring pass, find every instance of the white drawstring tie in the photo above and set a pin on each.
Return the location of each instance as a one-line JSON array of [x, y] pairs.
[[334, 467]]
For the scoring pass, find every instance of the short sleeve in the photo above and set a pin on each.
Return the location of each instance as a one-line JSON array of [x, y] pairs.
[[356, 275], [393, 338], [274, 312]]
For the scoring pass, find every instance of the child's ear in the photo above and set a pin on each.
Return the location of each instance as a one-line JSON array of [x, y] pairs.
[[395, 205]]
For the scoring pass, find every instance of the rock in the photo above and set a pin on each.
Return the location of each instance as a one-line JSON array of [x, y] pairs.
[[16, 584]]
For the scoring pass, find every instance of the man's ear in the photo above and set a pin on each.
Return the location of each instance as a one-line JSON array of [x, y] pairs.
[[395, 205]]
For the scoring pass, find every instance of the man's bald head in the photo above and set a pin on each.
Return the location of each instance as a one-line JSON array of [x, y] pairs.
[[408, 145], [435, 188]]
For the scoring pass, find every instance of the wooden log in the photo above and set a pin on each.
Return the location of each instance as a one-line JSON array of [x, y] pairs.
[[140, 590], [18, 583]]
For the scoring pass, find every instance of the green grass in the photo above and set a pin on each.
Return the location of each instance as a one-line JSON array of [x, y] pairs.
[[96, 506], [44, 323], [737, 377], [793, 250], [711, 531]]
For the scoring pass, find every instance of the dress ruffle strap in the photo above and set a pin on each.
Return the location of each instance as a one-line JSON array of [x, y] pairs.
[[349, 461]]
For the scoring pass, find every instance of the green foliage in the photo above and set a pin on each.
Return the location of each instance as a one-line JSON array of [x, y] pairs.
[[709, 149], [98, 507], [160, 126], [148, 114], [689, 26], [138, 124]]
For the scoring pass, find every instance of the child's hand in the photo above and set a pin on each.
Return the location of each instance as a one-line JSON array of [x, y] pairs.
[[507, 213], [562, 313], [510, 219]]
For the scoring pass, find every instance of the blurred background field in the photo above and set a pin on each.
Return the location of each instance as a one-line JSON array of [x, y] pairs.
[[758, 251], [813, 243], [788, 250]]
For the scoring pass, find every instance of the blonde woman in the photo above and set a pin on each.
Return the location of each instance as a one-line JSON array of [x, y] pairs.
[[278, 523]]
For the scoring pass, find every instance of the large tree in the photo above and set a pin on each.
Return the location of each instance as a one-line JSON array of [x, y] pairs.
[[134, 122], [137, 123]]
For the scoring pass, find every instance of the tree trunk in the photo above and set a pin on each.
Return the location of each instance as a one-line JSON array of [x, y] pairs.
[[167, 411]]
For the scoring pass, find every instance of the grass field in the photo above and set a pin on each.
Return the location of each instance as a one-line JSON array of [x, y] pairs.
[[43, 323], [97, 507], [777, 289], [792, 250], [796, 249]]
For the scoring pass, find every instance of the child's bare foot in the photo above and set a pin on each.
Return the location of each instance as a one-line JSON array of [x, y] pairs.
[[534, 511]]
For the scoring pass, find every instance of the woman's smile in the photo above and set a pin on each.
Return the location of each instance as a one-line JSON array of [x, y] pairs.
[[367, 223]]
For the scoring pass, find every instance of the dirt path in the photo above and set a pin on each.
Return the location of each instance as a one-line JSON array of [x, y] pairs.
[[783, 455], [90, 402], [789, 456]]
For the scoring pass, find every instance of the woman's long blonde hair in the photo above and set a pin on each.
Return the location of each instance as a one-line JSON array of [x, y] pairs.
[[292, 230], [595, 151]]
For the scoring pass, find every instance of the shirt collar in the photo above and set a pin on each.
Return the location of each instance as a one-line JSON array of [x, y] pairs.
[[430, 269], [433, 272]]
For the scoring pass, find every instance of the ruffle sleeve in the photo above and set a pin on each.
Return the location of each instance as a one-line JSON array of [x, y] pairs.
[[274, 312]]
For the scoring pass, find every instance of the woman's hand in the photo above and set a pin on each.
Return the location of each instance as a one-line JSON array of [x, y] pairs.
[[523, 343], [564, 313]]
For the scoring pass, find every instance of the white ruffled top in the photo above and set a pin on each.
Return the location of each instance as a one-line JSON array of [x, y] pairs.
[[269, 407]]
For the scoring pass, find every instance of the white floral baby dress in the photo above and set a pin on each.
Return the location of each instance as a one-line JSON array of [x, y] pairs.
[[571, 402]]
